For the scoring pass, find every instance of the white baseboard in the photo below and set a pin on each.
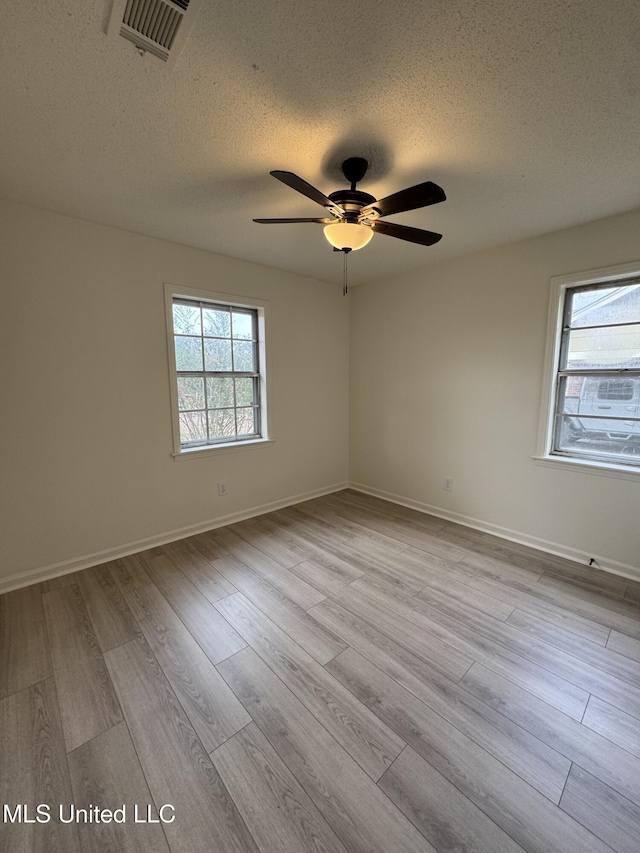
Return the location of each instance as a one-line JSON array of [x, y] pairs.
[[65, 567], [603, 563]]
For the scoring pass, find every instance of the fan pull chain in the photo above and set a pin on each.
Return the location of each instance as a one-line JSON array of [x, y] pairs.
[[345, 288]]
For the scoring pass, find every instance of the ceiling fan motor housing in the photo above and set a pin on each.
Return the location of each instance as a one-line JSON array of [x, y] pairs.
[[352, 202]]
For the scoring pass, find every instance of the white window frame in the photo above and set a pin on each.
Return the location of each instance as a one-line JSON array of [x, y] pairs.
[[171, 292], [545, 455]]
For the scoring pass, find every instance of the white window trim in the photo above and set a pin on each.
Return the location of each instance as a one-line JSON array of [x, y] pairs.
[[172, 291], [559, 284]]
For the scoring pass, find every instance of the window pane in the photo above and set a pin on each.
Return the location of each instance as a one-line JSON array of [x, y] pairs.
[[217, 355], [593, 395], [190, 393], [222, 423], [614, 347], [216, 322], [609, 305], [193, 426], [243, 356], [242, 325], [220, 392], [186, 320], [244, 392], [246, 421], [619, 440], [188, 353]]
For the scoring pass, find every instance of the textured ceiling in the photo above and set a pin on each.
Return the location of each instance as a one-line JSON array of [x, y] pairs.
[[526, 113]]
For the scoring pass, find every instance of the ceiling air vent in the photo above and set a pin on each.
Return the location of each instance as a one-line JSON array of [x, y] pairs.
[[154, 26]]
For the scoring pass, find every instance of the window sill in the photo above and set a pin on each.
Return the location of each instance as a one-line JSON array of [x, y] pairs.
[[602, 469], [220, 449]]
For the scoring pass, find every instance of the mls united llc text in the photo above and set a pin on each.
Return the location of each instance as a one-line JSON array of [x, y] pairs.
[[70, 813]]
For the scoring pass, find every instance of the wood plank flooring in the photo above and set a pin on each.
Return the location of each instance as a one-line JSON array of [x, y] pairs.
[[343, 676]]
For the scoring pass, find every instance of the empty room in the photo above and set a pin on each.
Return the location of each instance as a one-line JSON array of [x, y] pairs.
[[320, 494]]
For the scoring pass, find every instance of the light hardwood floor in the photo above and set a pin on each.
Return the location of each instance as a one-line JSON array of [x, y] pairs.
[[343, 676]]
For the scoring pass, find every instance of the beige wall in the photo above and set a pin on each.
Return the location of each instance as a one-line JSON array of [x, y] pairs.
[[446, 372], [446, 375], [85, 430]]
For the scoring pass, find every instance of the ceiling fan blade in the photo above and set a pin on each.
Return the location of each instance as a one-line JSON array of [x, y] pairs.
[[303, 187], [422, 195], [326, 221], [403, 232]]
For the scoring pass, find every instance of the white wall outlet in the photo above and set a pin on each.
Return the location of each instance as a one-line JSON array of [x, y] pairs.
[[448, 484], [222, 489]]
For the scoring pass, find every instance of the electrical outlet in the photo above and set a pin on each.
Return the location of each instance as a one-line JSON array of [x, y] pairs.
[[448, 484], [222, 489]]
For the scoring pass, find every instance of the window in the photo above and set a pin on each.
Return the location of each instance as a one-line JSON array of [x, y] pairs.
[[218, 360], [595, 393]]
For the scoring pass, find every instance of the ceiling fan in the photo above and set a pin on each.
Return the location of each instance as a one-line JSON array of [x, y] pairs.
[[354, 216]]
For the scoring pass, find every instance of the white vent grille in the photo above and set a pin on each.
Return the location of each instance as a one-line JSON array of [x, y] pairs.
[[156, 26]]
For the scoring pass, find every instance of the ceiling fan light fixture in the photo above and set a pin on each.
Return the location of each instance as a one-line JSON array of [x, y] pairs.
[[351, 216], [348, 235]]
